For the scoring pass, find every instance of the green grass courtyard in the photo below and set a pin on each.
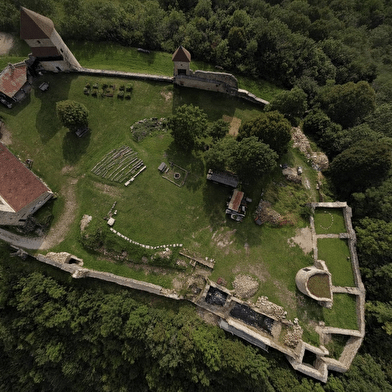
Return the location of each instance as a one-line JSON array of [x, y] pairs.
[[152, 210]]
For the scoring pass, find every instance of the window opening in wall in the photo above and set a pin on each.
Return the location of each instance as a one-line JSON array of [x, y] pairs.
[[182, 71]]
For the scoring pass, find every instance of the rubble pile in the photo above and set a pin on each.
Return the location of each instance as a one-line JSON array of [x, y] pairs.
[[294, 335], [319, 159], [245, 286], [291, 174], [265, 213], [270, 309]]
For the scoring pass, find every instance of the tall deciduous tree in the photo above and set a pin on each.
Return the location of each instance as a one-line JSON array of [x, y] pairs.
[[72, 114], [270, 128], [219, 129], [254, 158], [348, 104], [187, 125], [292, 104], [361, 166]]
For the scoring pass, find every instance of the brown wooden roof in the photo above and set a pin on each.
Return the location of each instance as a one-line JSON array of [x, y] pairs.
[[45, 51], [34, 26], [12, 78], [181, 54], [18, 185]]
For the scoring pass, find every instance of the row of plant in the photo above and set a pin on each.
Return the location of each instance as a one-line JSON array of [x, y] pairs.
[[108, 90]]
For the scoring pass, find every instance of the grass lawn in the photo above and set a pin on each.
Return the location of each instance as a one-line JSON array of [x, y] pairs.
[[109, 55], [329, 221], [152, 210], [343, 313], [318, 285], [335, 253]]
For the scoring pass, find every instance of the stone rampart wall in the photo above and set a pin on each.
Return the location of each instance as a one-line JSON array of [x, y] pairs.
[[126, 75], [78, 272], [222, 77]]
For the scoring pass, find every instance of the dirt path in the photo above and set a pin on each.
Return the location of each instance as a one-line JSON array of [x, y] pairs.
[[58, 232], [6, 43]]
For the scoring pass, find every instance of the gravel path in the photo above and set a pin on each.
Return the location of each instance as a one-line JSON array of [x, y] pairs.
[[57, 233]]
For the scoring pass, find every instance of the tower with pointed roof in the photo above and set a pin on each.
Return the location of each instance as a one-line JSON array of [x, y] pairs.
[[47, 47], [182, 60]]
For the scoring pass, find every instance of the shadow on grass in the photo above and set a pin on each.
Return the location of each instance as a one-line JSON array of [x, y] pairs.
[[47, 123], [190, 162], [16, 108], [214, 104], [74, 147]]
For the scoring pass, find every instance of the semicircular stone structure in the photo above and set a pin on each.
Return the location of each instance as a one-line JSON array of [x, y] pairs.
[[302, 278]]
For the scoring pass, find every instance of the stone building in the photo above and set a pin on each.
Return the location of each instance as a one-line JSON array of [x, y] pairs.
[[204, 80], [21, 191], [48, 50]]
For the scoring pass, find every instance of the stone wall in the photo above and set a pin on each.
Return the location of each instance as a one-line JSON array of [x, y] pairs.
[[78, 272]]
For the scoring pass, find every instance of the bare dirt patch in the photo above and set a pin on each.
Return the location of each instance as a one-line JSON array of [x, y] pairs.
[[303, 238], [67, 169], [223, 239], [167, 95], [208, 317], [6, 43], [86, 219], [107, 189], [5, 135], [60, 229], [235, 124]]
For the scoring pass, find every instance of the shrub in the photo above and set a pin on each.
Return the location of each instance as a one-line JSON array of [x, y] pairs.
[[95, 86], [122, 87], [128, 96], [129, 88], [104, 86], [120, 94], [87, 85]]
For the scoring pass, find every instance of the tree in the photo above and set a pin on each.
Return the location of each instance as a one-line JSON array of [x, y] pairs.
[[218, 129], [348, 104], [360, 167], [187, 125], [270, 128], [291, 103], [72, 114], [222, 154], [254, 158]]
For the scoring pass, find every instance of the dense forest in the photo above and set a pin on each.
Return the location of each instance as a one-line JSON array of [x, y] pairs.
[[334, 58]]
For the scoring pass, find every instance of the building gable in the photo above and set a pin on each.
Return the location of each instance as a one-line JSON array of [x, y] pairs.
[[18, 185], [34, 26], [182, 55]]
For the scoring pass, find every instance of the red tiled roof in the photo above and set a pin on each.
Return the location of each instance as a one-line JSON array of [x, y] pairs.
[[34, 26], [236, 199], [12, 79], [18, 185], [45, 51], [181, 54]]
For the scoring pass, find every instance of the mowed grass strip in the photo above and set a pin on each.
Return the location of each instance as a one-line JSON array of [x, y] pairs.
[[336, 254], [329, 221], [343, 313]]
